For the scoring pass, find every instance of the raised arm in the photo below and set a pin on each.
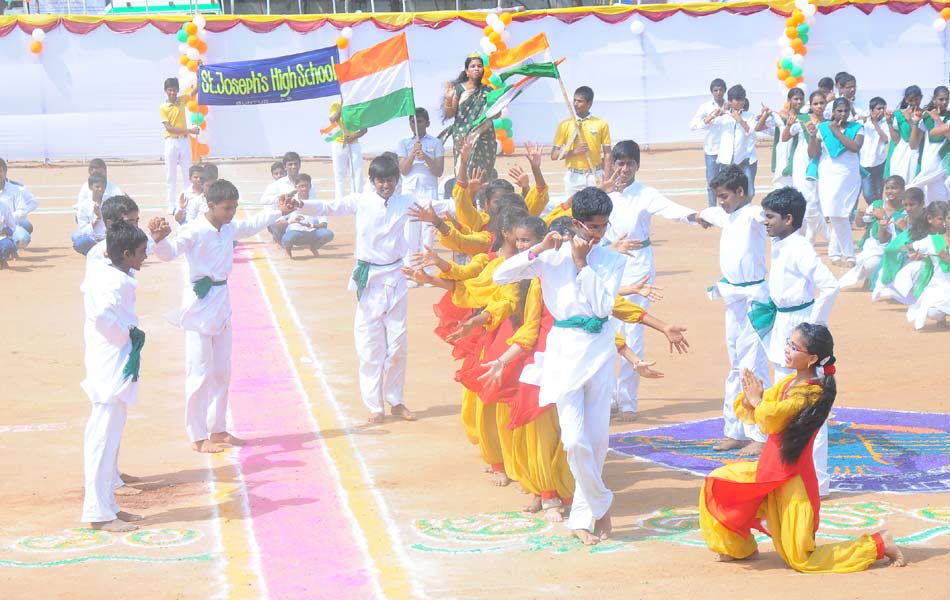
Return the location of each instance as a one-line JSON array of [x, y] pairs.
[[329, 208]]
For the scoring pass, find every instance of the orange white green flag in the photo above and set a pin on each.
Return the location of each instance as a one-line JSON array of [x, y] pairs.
[[520, 54], [375, 84]]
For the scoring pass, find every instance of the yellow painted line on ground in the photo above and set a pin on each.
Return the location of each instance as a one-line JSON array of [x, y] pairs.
[[241, 568]]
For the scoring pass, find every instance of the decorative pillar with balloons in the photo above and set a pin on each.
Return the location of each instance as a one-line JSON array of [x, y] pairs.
[[496, 39], [940, 23], [193, 45], [36, 40], [343, 41], [791, 66]]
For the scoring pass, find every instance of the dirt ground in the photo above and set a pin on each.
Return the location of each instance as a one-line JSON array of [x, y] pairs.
[[422, 473]]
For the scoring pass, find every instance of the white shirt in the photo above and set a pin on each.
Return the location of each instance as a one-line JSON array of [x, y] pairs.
[[196, 205], [381, 229], [275, 188], [734, 143], [6, 220], [86, 194], [109, 302], [89, 222], [713, 130], [741, 250], [859, 110], [797, 275], [874, 149], [420, 178], [210, 253], [572, 356], [18, 198], [634, 208], [297, 221]]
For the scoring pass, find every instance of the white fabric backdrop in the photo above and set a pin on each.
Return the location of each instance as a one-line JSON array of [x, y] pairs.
[[98, 94]]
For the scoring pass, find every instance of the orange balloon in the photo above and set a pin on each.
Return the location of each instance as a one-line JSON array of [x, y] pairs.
[[36, 47], [797, 44], [803, 50], [488, 30], [502, 46], [485, 81], [501, 135], [192, 106], [790, 22], [203, 149], [203, 125], [945, 14], [494, 37], [193, 40], [203, 109], [342, 43], [192, 66], [487, 72], [798, 17], [791, 33], [191, 28], [506, 18], [778, 64], [508, 146], [791, 82], [183, 59], [783, 74], [202, 46]]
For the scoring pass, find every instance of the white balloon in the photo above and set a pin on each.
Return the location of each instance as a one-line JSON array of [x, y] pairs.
[[183, 72], [497, 26], [939, 24], [347, 32], [202, 34], [506, 36], [809, 10], [636, 27], [38, 34], [801, 4], [491, 19], [182, 48], [810, 20], [798, 60], [788, 52], [486, 45], [199, 21], [784, 42], [193, 53]]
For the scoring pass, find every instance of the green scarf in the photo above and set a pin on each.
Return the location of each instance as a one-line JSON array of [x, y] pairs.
[[588, 324], [793, 145], [204, 285], [927, 271], [762, 315], [134, 363], [894, 256], [830, 140], [361, 274], [811, 171], [873, 228]]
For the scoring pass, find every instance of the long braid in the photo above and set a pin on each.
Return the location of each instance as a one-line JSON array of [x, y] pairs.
[[798, 433]]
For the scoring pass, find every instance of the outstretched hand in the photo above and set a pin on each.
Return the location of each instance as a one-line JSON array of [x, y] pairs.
[[159, 228], [430, 258], [624, 246], [643, 288], [611, 183], [645, 369], [534, 153], [418, 213], [492, 377], [674, 333], [518, 175]]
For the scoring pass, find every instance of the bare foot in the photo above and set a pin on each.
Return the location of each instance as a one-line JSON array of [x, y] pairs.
[[126, 478], [585, 537], [625, 416], [730, 444], [115, 525], [404, 413], [226, 438], [892, 550], [604, 527], [535, 505], [752, 449], [500, 479], [727, 558], [375, 418], [206, 447], [554, 514], [126, 491], [129, 517]]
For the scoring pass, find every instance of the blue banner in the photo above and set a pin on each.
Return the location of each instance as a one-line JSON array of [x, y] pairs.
[[281, 79]]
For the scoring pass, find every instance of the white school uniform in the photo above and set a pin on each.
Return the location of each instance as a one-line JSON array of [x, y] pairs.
[[934, 301], [781, 149], [814, 221], [109, 302], [932, 176], [88, 222], [634, 207], [578, 367], [379, 328], [839, 183], [798, 276], [874, 150], [85, 194], [207, 321], [6, 220], [901, 289], [741, 261], [869, 258], [903, 160], [18, 198], [275, 189], [423, 185], [734, 144], [195, 206], [712, 129]]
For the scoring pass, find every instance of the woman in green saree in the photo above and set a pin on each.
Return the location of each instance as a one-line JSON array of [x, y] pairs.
[[465, 100]]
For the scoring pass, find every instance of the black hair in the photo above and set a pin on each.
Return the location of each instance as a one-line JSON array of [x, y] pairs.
[[732, 178], [826, 83], [391, 155], [815, 94], [876, 101], [841, 101], [895, 179], [95, 178], [505, 220], [591, 202], [171, 82], [563, 225], [304, 177], [3, 164], [510, 200], [736, 92], [535, 225], [539, 229], [222, 190], [920, 227], [291, 156], [625, 149], [786, 201], [717, 82], [843, 78], [97, 163], [277, 164], [495, 186], [196, 169], [422, 113], [122, 237], [210, 171], [585, 92], [115, 208], [383, 167], [910, 91], [940, 89], [795, 91], [799, 432], [463, 76]]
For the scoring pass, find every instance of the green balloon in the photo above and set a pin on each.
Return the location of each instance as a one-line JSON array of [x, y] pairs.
[[506, 123], [197, 118], [496, 124], [509, 131], [182, 35], [496, 81], [803, 28], [796, 71], [803, 37], [484, 59], [787, 64]]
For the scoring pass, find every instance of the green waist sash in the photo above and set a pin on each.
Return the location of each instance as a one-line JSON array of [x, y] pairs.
[[643, 243], [741, 284], [762, 314], [204, 285], [361, 274], [588, 324], [134, 363]]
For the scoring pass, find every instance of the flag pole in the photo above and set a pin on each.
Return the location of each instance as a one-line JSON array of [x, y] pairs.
[[577, 126]]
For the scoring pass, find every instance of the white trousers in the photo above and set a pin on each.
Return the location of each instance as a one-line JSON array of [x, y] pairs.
[[819, 451], [840, 239], [419, 234], [207, 378], [814, 222], [628, 380], [575, 182], [745, 352], [584, 416], [100, 455], [177, 158], [347, 167], [382, 344]]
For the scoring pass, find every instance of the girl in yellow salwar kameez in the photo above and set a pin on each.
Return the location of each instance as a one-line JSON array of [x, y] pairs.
[[778, 494]]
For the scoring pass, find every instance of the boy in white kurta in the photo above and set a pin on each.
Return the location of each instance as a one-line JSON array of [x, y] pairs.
[[579, 284], [382, 219], [112, 359], [629, 232], [742, 262], [801, 290], [191, 202], [21, 202], [7, 247], [421, 162], [705, 120], [208, 245]]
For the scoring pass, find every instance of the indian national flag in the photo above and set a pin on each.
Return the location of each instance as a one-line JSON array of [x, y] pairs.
[[513, 57], [376, 85], [498, 100]]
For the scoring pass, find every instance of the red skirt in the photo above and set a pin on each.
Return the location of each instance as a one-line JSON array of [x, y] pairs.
[[524, 404], [495, 344]]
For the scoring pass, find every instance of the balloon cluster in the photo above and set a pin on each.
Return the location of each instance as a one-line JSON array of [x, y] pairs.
[[503, 134], [344, 40], [193, 45], [940, 23], [496, 39], [797, 28], [36, 45]]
